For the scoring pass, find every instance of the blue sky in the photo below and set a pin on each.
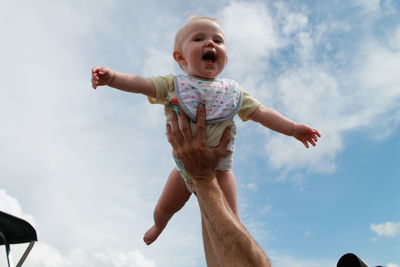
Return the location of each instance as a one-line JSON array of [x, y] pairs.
[[78, 162]]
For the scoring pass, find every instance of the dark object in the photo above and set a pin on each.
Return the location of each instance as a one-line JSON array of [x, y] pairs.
[[14, 230], [350, 260]]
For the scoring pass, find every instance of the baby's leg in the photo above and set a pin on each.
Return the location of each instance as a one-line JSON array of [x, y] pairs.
[[227, 183], [172, 199]]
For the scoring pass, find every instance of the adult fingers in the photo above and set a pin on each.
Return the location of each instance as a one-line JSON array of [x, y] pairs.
[[171, 138], [185, 126], [200, 123], [175, 130], [226, 138]]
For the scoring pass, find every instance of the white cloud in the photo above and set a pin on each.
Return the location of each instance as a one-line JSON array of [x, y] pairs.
[[387, 229], [392, 265], [375, 7], [266, 209], [301, 93], [11, 205], [310, 96], [287, 260], [377, 97], [294, 30], [255, 27], [44, 255], [158, 62], [368, 6], [307, 234], [311, 90], [158, 58], [251, 39], [394, 40], [249, 186], [78, 157], [133, 258], [81, 160], [290, 21]]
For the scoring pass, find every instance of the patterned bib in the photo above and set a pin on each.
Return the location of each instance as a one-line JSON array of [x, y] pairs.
[[222, 98]]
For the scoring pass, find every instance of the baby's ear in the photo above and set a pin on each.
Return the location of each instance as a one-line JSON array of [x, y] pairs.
[[179, 57]]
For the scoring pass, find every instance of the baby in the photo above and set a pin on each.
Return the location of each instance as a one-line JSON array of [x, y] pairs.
[[200, 51]]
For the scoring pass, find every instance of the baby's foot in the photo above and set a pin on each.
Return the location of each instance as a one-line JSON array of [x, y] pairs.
[[151, 235]]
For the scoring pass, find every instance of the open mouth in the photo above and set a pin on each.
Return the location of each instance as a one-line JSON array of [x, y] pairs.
[[210, 57]]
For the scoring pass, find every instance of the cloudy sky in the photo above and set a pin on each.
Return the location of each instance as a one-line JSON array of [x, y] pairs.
[[86, 166]]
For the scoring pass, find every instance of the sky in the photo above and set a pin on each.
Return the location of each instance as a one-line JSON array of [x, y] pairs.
[[86, 167]]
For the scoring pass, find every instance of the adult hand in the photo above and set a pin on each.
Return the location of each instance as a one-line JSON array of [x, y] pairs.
[[199, 160], [232, 243]]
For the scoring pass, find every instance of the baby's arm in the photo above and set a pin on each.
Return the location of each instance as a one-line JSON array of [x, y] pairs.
[[277, 122], [123, 81]]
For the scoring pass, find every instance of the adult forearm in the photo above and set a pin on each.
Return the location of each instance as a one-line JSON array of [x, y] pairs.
[[230, 239], [212, 202]]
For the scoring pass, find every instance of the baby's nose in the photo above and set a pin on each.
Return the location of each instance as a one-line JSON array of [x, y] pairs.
[[210, 43]]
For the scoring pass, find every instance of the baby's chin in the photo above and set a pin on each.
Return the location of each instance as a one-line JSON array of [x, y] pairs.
[[204, 76], [207, 74]]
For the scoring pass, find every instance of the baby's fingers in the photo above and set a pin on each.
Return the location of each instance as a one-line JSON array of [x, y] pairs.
[[95, 69], [95, 73], [314, 137], [311, 141], [99, 71], [317, 133], [94, 83], [305, 143]]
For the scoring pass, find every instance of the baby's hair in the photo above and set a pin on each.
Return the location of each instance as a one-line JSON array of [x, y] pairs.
[[193, 17]]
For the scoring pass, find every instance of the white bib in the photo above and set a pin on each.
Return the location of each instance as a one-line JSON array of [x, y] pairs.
[[222, 98]]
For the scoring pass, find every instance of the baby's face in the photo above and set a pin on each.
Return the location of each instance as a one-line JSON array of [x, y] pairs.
[[203, 49]]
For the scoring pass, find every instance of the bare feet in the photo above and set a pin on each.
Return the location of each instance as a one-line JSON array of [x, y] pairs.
[[151, 235]]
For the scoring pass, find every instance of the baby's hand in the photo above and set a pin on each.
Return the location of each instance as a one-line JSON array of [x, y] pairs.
[[306, 134], [102, 76]]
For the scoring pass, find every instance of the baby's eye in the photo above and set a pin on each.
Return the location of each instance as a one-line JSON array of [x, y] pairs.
[[198, 39], [218, 41]]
